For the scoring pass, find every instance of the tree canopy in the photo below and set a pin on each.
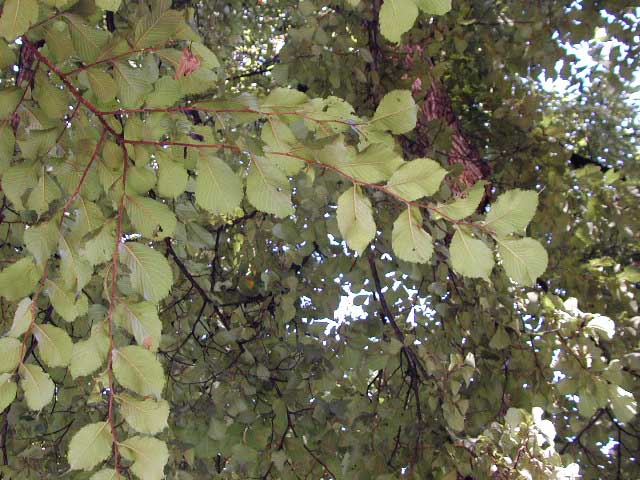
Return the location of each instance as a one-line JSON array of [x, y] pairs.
[[319, 239]]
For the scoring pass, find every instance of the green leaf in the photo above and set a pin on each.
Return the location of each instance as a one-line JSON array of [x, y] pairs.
[[155, 28], [89, 355], [16, 181], [140, 320], [397, 112], [396, 18], [17, 17], [138, 370], [75, 271], [375, 164], [102, 84], [623, 403], [19, 279], [90, 446], [470, 257], [7, 144], [65, 303], [166, 92], [144, 416], [8, 390], [434, 7], [268, 188], [10, 353], [107, 474], [54, 345], [410, 242], [603, 326], [23, 318], [461, 207], [99, 249], [37, 386], [172, 177], [43, 194], [523, 259], [355, 219], [110, 5], [41, 240], [512, 212], [132, 83], [151, 274], [149, 456], [218, 188], [152, 218], [416, 179], [88, 41]]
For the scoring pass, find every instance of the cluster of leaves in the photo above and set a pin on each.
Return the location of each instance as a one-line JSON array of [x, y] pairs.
[[171, 258]]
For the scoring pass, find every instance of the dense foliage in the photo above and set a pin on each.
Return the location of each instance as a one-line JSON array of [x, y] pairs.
[[312, 239]]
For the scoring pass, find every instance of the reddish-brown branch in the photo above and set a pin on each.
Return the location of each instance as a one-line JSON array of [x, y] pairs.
[[117, 57]]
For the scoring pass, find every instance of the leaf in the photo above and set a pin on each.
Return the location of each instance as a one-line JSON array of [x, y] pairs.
[[102, 84], [54, 345], [144, 416], [149, 456], [75, 271], [110, 5], [65, 303], [8, 390], [107, 474], [19, 279], [416, 179], [410, 242], [88, 355], [396, 112], [41, 240], [524, 259], [218, 188], [16, 181], [470, 257], [396, 18], [603, 326], [17, 17], [138, 370], [172, 178], [155, 28], [623, 403], [43, 194], [90, 446], [375, 164], [99, 249], [23, 318], [152, 218], [151, 274], [140, 320], [10, 353], [434, 7], [88, 41], [37, 386], [166, 92], [132, 83], [268, 188], [512, 212], [355, 219], [463, 206]]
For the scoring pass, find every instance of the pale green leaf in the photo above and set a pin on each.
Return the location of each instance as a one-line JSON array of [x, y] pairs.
[[37, 386], [623, 403], [355, 219], [218, 188], [100, 248], [461, 207], [149, 456], [434, 7], [43, 194], [172, 177], [41, 240], [107, 474], [17, 17], [470, 257], [8, 390], [140, 320], [10, 353], [75, 270], [19, 279], [151, 274], [416, 179], [89, 355], [16, 180], [166, 92], [54, 345], [111, 5], [268, 188], [138, 369], [284, 97], [396, 18], [603, 326], [375, 164], [156, 27], [144, 416], [102, 84], [512, 212], [152, 218], [397, 112], [88, 41], [523, 259], [23, 318], [90, 446], [410, 242], [133, 84]]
